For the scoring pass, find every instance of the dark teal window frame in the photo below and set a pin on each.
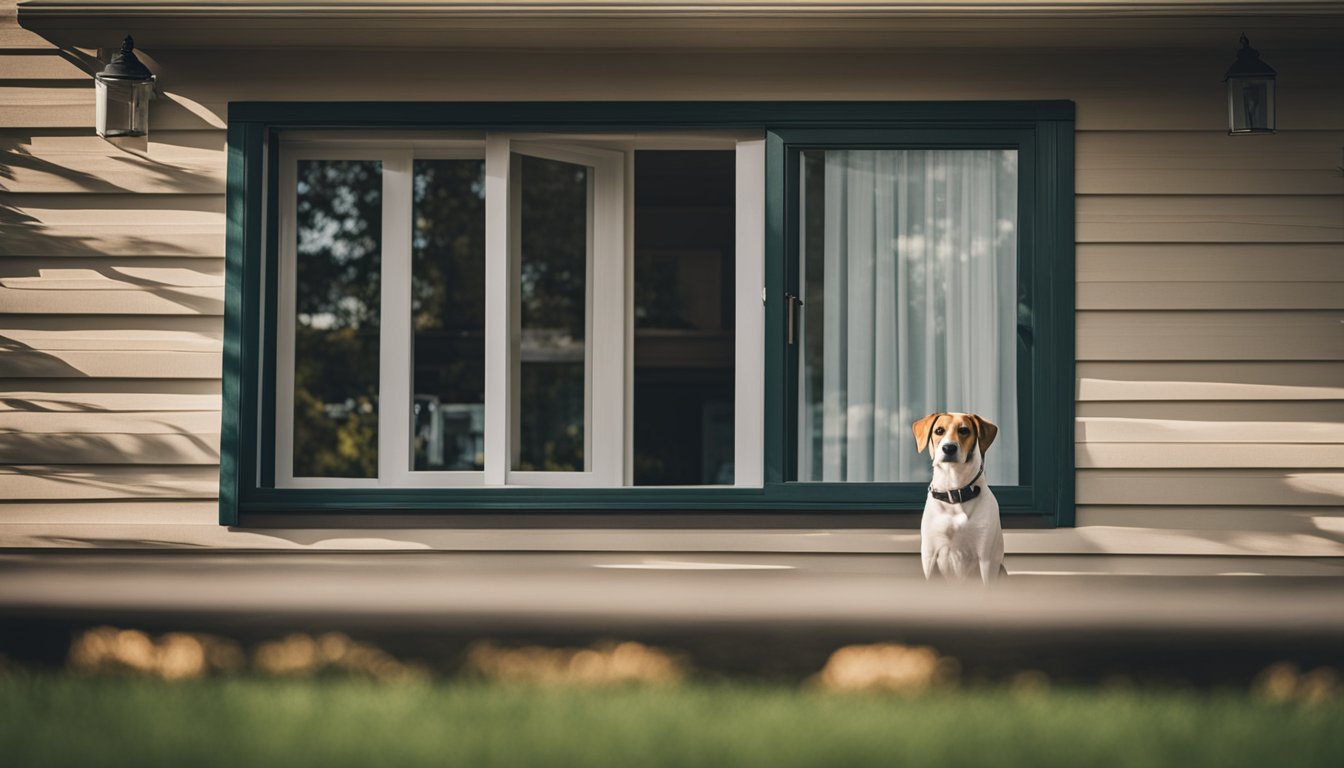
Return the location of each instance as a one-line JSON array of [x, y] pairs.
[[1040, 130]]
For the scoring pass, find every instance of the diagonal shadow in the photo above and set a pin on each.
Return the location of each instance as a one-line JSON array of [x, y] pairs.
[[105, 448], [19, 360]]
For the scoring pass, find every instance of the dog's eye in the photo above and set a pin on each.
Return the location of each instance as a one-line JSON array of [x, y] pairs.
[[963, 431], [939, 431]]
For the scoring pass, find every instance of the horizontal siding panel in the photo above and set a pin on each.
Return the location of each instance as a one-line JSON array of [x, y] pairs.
[[47, 107], [111, 273], [1210, 487], [114, 301], [1182, 380], [104, 395], [1096, 542], [1232, 518], [49, 64], [1230, 181], [1209, 295], [1209, 219], [1133, 455], [113, 449], [114, 225], [1160, 151], [1199, 163], [162, 144], [185, 171], [51, 334], [16, 38], [1172, 91], [137, 240], [1207, 557], [26, 364], [154, 512], [1210, 335], [1117, 430], [38, 482], [122, 423], [1217, 410], [118, 210], [1203, 262]]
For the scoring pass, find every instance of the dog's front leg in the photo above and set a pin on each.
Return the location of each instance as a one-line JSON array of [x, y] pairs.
[[926, 559], [987, 570]]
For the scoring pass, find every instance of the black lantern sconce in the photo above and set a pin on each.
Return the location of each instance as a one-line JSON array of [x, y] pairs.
[[124, 87], [1250, 93]]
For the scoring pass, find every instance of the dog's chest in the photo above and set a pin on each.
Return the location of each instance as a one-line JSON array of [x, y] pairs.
[[950, 518], [967, 525], [946, 521]]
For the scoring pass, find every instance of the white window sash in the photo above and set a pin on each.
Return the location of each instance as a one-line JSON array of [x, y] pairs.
[[749, 332], [396, 382], [609, 337], [604, 337], [286, 287]]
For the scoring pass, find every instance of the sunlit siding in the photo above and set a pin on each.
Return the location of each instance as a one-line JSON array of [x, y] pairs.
[[1210, 318], [111, 292]]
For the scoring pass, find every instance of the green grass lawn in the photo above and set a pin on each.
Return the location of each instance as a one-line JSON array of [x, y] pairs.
[[62, 719]]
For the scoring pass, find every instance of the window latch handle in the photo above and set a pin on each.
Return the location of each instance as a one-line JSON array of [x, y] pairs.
[[793, 303]]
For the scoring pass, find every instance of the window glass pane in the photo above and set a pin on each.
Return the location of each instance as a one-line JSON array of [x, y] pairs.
[[339, 233], [909, 279], [684, 312], [555, 221], [448, 314]]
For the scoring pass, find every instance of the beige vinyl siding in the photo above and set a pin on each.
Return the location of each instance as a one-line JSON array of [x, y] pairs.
[[1308, 334], [184, 162], [95, 482], [111, 291], [41, 106], [1210, 338], [1210, 276], [1246, 383], [1176, 162]]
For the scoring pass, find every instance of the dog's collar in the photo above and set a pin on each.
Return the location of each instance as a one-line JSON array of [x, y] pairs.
[[959, 495]]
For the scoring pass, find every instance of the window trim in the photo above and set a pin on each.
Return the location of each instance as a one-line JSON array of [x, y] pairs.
[[246, 486]]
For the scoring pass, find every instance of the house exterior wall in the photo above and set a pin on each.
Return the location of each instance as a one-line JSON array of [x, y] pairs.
[[1210, 269]]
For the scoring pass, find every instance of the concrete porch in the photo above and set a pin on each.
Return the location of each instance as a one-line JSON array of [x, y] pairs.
[[1201, 620]]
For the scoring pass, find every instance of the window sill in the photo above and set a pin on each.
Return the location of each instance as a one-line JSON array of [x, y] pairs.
[[810, 497]]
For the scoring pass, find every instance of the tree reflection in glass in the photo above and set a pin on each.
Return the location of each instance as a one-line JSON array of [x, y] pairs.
[[339, 237], [448, 314], [553, 296]]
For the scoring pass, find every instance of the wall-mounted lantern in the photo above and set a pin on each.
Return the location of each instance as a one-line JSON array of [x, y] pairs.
[[1250, 93], [124, 87]]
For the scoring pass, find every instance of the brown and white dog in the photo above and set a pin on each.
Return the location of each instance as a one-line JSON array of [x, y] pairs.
[[960, 535]]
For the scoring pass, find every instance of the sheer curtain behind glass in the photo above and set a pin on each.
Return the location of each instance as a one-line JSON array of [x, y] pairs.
[[909, 284]]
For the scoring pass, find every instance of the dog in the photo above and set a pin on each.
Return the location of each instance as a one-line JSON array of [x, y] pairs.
[[960, 535]]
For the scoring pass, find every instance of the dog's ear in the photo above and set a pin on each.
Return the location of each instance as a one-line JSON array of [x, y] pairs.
[[986, 432], [922, 429]]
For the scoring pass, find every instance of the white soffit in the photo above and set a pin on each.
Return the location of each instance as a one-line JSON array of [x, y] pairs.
[[699, 23]]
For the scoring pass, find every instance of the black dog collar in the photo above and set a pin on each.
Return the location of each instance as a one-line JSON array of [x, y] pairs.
[[959, 495]]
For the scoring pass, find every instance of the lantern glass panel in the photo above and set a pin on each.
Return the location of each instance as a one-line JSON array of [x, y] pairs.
[[123, 107], [1250, 103]]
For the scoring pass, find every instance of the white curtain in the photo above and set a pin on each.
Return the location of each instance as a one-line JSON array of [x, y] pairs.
[[910, 307]]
